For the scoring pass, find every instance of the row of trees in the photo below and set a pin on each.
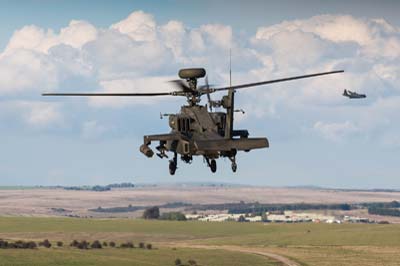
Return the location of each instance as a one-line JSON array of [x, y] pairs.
[[154, 213], [101, 188], [384, 211], [20, 244]]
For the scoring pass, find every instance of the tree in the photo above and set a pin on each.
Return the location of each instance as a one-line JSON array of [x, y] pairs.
[[178, 262], [173, 216], [149, 246], [151, 213], [59, 243], [112, 244], [241, 219]]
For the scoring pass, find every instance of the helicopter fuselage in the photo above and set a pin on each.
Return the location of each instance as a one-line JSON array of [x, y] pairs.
[[197, 132]]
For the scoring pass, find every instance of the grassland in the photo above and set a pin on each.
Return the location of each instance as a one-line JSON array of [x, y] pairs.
[[308, 244]]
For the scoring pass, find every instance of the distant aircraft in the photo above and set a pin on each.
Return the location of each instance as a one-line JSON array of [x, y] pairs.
[[353, 95]]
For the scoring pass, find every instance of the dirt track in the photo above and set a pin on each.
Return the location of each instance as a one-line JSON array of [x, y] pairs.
[[285, 261]]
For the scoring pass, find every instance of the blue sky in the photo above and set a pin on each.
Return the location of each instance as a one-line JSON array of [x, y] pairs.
[[317, 136]]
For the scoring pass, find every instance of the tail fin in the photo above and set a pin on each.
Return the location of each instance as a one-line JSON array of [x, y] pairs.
[[345, 93]]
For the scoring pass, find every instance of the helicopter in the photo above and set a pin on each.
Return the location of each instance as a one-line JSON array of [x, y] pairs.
[[353, 95], [197, 130]]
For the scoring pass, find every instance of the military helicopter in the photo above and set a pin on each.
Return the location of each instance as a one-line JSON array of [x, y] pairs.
[[353, 95], [197, 130]]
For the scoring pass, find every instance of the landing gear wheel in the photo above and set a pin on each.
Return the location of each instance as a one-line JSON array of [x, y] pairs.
[[234, 167], [172, 167], [173, 164], [213, 166]]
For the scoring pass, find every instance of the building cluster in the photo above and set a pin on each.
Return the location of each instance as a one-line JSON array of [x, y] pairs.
[[281, 217]]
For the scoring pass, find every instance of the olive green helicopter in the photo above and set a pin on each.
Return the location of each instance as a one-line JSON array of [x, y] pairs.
[[197, 130]]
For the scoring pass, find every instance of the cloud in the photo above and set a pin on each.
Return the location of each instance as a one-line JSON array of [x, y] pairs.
[[335, 131], [36, 114], [139, 26], [31, 37], [137, 54]]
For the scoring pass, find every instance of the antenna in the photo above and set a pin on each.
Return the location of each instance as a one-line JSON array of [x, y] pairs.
[[230, 67]]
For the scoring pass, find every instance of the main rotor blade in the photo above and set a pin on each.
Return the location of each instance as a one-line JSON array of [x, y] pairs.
[[113, 94], [273, 81]]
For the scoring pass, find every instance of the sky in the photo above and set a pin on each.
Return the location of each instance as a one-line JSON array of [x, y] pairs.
[[317, 137]]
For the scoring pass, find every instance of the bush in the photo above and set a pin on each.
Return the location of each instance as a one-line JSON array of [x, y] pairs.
[[127, 245], [151, 213], [74, 243], [31, 245], [112, 244], [3, 244], [141, 245], [60, 243], [149, 246], [96, 244], [83, 245], [45, 243], [105, 244], [178, 262]]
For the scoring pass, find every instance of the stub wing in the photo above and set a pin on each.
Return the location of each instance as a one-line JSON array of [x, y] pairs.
[[161, 137], [244, 144]]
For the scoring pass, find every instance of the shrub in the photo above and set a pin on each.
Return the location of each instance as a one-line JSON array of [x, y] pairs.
[[96, 244], [141, 245], [31, 245], [3, 244], [83, 245], [45, 243], [149, 246], [112, 244], [178, 262], [60, 243], [74, 243], [127, 245], [105, 244], [19, 244]]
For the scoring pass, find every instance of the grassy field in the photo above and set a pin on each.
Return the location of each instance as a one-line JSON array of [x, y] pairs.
[[308, 244]]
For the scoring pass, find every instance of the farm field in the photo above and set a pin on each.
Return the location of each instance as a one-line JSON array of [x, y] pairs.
[[227, 243]]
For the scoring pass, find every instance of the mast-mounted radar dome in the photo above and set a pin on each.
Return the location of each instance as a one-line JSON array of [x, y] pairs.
[[192, 73]]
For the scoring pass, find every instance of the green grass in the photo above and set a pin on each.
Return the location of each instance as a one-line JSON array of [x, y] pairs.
[[310, 244], [214, 233], [121, 257]]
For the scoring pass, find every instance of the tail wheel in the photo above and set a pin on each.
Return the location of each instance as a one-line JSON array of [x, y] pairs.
[[213, 166], [234, 167], [172, 167]]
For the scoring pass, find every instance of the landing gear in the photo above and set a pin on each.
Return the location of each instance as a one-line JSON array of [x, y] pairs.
[[234, 164], [212, 164], [234, 167], [173, 164]]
